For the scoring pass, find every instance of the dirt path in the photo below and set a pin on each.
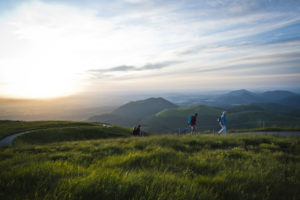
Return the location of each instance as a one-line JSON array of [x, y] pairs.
[[7, 141]]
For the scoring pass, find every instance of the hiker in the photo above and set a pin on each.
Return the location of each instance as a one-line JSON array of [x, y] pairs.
[[192, 122], [222, 122], [136, 130]]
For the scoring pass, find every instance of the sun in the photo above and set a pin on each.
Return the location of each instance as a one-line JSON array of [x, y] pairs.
[[41, 84]]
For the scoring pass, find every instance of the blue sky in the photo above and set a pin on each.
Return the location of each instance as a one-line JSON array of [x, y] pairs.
[[143, 45]]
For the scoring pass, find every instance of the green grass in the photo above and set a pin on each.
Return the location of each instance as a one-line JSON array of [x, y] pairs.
[[74, 133], [266, 129], [155, 167], [10, 127]]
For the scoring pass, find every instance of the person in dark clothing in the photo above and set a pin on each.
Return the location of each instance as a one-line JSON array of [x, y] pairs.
[[193, 123], [137, 130]]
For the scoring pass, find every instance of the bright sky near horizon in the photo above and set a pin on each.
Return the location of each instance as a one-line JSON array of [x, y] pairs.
[[52, 48]]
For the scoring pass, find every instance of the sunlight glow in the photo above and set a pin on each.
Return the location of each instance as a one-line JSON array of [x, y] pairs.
[[52, 51], [39, 83]]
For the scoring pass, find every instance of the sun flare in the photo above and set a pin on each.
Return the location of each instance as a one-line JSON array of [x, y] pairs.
[[39, 84]]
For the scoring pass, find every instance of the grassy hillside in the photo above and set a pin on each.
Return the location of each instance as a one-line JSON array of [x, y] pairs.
[[275, 107], [74, 133], [132, 113], [9, 127], [255, 119], [156, 167]]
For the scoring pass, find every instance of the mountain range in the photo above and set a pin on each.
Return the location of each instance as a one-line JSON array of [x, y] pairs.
[[242, 97], [245, 110]]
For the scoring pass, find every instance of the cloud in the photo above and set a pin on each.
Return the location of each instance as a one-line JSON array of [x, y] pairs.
[[114, 69], [101, 73], [134, 1], [153, 66]]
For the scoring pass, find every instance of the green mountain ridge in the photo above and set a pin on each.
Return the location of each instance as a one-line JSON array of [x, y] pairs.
[[132, 113]]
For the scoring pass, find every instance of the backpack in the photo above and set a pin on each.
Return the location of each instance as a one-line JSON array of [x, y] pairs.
[[190, 119], [134, 132]]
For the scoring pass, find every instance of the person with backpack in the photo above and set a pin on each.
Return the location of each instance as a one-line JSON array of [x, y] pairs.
[[222, 121], [192, 122], [136, 130]]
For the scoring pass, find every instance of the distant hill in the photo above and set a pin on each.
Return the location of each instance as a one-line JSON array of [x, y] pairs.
[[239, 97], [274, 107], [244, 97], [243, 108], [277, 95], [133, 112], [292, 101]]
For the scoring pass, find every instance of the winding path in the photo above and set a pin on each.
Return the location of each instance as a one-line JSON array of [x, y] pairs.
[[7, 141]]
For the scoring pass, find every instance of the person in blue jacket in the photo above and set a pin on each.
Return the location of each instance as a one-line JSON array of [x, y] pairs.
[[223, 122]]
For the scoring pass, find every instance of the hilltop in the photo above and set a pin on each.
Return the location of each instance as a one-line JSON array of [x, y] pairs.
[[44, 132], [133, 112]]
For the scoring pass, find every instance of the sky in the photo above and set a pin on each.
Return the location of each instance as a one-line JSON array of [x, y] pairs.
[[53, 48]]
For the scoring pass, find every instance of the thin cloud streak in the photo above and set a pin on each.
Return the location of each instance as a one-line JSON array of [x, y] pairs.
[[102, 73]]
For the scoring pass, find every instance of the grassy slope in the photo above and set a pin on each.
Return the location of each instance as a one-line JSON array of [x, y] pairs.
[[74, 133], [254, 119], [131, 113], [170, 120], [10, 127], [157, 167]]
